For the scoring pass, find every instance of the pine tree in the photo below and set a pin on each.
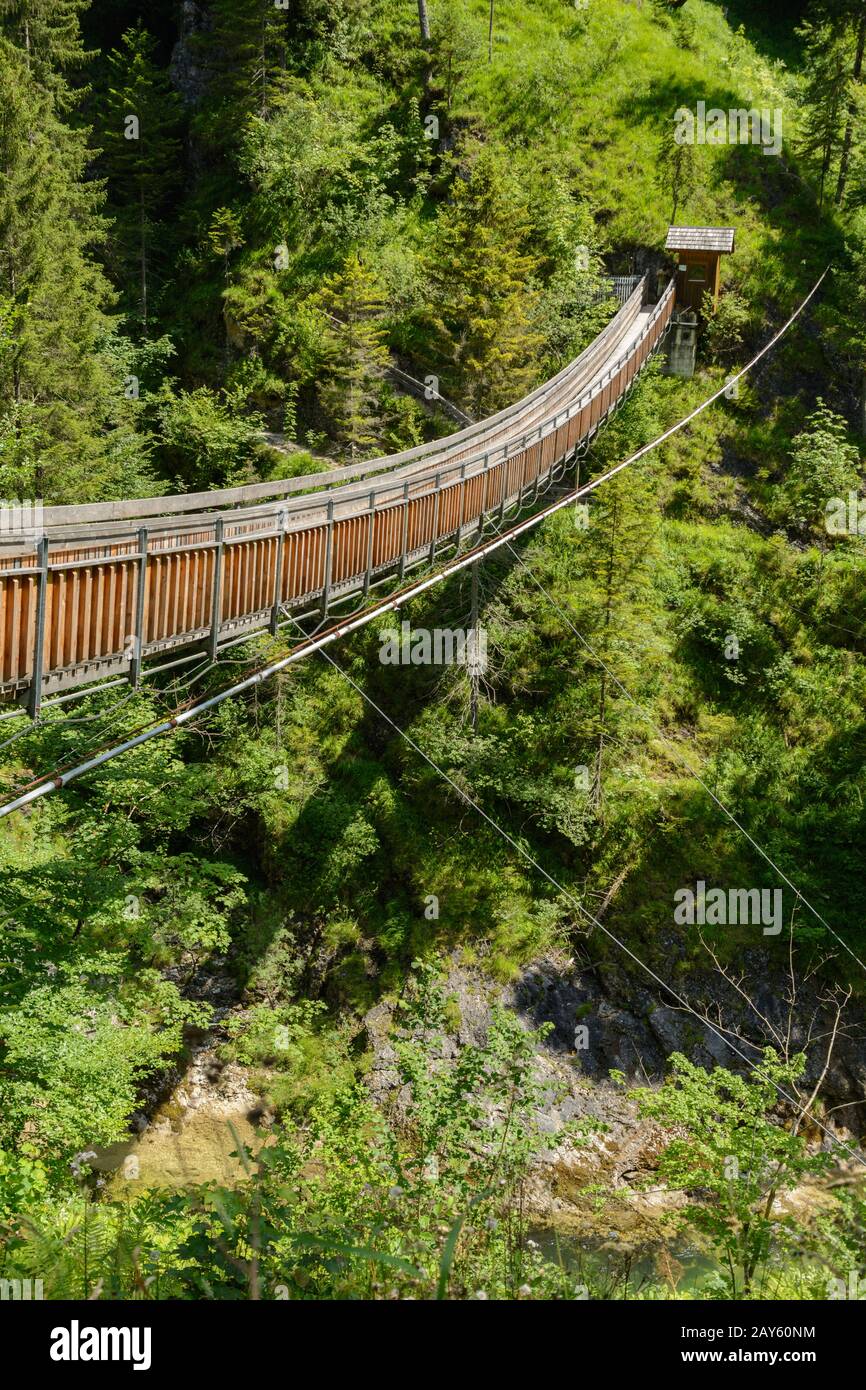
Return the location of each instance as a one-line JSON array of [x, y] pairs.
[[139, 123], [48, 34], [55, 386], [352, 304], [619, 528], [244, 52], [225, 236], [854, 15], [479, 336], [617, 551], [457, 46], [676, 171], [826, 95]]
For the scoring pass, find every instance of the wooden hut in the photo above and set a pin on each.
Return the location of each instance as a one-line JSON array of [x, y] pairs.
[[698, 252]]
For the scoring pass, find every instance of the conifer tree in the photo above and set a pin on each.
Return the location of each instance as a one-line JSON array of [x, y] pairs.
[[457, 45], [139, 123], [853, 20], [55, 384], [48, 34], [244, 53], [619, 527], [676, 171], [826, 95], [479, 336], [617, 550], [357, 355], [225, 236]]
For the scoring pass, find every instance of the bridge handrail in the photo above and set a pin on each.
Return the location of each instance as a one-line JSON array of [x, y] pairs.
[[297, 511], [169, 505], [94, 601]]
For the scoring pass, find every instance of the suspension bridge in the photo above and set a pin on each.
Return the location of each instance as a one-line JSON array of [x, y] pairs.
[[107, 585], [105, 588]]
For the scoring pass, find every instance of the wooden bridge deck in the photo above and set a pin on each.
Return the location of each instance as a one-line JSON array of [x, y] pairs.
[[98, 589]]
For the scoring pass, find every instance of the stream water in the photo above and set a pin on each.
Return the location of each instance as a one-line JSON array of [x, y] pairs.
[[621, 1270], [191, 1128]]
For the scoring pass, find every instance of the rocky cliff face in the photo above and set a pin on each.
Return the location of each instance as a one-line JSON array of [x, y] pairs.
[[603, 1021], [186, 73]]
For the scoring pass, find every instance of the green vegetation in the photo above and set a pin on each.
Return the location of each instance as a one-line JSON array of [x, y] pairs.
[[312, 196]]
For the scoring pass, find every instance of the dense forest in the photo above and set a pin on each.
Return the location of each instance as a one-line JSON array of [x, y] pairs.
[[370, 983]]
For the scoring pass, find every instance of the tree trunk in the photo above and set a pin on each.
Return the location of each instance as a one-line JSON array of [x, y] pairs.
[[264, 60], [16, 361], [825, 169], [424, 24], [143, 224], [228, 347], [852, 111]]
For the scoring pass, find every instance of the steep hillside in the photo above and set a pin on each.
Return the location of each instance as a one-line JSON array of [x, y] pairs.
[[358, 891]]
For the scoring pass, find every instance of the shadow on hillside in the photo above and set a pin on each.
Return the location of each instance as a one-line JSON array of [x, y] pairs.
[[795, 241], [360, 845], [769, 26]]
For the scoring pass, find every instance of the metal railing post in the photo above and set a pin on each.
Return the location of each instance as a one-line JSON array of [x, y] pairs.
[[34, 696], [140, 590], [369, 572], [504, 467], [462, 504], [437, 496], [538, 469], [482, 511], [217, 594], [401, 570], [278, 576], [329, 560]]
